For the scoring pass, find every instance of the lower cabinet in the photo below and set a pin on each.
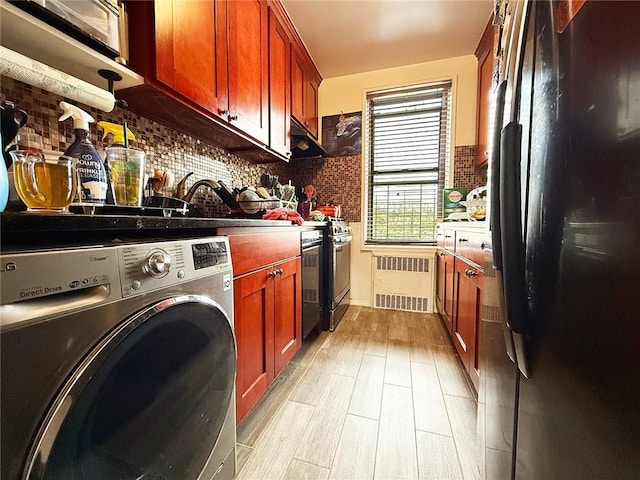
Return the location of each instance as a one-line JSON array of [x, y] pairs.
[[445, 287], [267, 310], [466, 325], [459, 294]]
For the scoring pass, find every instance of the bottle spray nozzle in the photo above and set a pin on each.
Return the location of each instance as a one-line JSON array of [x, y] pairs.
[[81, 119], [117, 131]]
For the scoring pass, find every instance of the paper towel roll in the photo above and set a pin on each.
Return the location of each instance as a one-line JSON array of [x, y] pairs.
[[32, 72]]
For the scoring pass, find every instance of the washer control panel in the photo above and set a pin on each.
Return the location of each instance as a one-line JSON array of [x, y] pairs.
[[149, 266]]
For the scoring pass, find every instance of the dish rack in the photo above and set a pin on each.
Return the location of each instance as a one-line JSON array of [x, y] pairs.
[[255, 206]]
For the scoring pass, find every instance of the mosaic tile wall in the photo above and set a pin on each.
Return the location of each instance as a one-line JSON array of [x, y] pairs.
[[465, 173], [337, 180], [166, 149]]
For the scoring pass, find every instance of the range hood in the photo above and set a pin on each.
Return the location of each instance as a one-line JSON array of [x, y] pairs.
[[303, 145]]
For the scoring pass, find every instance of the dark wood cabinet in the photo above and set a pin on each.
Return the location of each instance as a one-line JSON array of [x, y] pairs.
[[279, 87], [305, 82], [297, 85], [287, 313], [221, 70], [445, 287], [253, 305], [267, 308], [188, 63], [468, 285], [459, 291], [311, 105], [485, 55], [249, 68]]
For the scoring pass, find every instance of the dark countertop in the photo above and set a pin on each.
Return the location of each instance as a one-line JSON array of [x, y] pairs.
[[27, 222], [20, 231]]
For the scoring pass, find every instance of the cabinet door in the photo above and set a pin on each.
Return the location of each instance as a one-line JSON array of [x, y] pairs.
[[485, 56], [191, 50], [288, 313], [467, 317], [297, 86], [254, 306], [248, 68], [449, 289], [311, 105], [279, 97]]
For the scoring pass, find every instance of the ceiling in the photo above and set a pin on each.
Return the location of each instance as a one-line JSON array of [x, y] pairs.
[[353, 36]]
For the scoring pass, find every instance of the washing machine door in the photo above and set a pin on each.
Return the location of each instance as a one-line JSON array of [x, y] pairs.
[[148, 402]]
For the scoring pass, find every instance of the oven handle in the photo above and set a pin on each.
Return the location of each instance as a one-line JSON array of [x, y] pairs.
[[342, 240], [309, 246]]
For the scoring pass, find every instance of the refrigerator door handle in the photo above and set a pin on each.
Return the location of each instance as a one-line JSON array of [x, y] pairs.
[[494, 197], [494, 192], [513, 272]]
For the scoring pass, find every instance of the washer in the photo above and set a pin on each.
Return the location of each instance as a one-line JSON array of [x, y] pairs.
[[118, 362]]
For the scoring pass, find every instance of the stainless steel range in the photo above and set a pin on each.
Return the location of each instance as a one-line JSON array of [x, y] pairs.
[[338, 271]]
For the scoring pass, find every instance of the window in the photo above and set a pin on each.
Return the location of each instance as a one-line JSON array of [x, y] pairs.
[[409, 131]]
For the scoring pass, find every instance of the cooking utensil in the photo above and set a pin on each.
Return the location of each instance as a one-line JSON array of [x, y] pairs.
[[330, 210]]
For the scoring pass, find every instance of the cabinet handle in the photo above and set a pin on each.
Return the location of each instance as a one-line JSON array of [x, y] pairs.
[[273, 273], [279, 271], [447, 236], [462, 240], [470, 273], [233, 118], [224, 112]]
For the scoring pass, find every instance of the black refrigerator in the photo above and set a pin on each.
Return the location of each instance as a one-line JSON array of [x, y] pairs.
[[559, 394]]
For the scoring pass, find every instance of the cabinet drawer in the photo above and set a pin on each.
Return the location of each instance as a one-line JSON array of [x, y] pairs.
[[254, 250], [470, 245], [449, 239], [440, 237]]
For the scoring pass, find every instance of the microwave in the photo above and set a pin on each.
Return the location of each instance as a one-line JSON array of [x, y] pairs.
[[92, 22]]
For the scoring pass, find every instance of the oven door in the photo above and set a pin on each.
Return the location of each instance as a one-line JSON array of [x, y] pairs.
[[341, 271], [311, 288]]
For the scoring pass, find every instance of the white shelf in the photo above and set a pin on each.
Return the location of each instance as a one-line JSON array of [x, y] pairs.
[[25, 34]]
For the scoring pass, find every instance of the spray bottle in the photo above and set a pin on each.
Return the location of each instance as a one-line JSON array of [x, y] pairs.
[[92, 177], [118, 133]]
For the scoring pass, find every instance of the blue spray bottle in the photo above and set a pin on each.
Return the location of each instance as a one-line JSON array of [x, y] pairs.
[[92, 177]]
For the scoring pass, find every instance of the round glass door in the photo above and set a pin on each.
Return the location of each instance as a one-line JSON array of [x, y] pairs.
[[148, 403]]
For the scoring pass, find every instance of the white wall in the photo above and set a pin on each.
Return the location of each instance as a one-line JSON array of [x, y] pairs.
[[347, 94]]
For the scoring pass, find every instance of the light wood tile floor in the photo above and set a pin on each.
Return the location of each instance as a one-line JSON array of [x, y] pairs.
[[382, 397]]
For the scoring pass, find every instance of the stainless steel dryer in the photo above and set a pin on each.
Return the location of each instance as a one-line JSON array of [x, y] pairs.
[[118, 362]]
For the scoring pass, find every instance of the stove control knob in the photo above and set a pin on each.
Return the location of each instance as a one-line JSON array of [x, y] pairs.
[[157, 263]]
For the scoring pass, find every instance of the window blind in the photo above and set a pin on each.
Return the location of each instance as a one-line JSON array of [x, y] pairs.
[[408, 151]]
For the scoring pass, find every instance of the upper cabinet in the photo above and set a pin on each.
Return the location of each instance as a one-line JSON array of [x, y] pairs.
[[485, 55], [279, 86], [249, 68], [305, 81], [192, 65], [217, 69]]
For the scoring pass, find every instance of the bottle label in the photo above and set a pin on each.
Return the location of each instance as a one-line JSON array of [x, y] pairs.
[[92, 180]]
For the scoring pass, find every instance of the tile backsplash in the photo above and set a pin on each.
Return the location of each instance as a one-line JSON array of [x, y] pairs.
[[465, 173], [337, 179], [166, 149]]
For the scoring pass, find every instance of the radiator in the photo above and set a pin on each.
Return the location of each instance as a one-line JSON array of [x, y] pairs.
[[403, 283]]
